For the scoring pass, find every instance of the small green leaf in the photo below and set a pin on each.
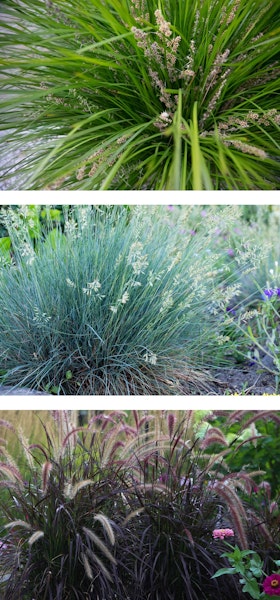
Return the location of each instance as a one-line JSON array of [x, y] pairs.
[[5, 243], [252, 588], [54, 389], [55, 214], [224, 571]]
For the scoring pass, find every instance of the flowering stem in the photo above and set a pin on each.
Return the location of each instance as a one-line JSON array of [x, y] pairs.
[[176, 168]]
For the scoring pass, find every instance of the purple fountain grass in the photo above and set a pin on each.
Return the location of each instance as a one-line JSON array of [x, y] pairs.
[[125, 507]]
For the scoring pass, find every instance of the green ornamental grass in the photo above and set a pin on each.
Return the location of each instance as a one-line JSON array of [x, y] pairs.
[[115, 302], [136, 94]]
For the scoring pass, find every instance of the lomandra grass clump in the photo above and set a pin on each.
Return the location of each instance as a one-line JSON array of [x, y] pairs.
[[124, 509], [117, 302], [130, 95]]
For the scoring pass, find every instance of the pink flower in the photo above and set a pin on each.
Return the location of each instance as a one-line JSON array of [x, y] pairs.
[[222, 533], [271, 585]]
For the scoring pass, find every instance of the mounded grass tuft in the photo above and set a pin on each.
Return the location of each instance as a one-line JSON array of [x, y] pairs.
[[127, 95], [115, 302]]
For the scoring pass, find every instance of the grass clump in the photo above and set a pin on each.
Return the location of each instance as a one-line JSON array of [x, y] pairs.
[[54, 530], [115, 302], [126, 509], [130, 95]]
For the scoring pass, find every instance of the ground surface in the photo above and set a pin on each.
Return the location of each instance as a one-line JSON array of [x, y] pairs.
[[245, 379]]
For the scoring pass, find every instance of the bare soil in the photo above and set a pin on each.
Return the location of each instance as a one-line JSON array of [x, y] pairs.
[[245, 379]]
